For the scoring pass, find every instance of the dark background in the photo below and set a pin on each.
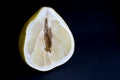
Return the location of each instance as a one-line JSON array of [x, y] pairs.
[[96, 29]]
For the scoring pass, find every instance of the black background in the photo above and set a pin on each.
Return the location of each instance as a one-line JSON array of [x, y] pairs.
[[95, 26]]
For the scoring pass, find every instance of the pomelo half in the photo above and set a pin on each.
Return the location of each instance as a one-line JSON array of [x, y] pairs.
[[46, 41]]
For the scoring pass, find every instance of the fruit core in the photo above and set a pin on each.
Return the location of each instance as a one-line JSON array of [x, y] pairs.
[[47, 36]]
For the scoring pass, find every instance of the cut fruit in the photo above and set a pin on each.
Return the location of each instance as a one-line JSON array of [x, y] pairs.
[[46, 41]]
